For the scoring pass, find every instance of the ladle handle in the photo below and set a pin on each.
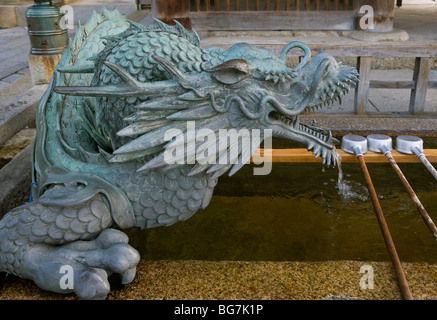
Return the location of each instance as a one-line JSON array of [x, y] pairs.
[[427, 164], [400, 275], [425, 216]]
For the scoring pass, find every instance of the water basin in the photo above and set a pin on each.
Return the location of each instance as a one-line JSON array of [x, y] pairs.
[[299, 212]]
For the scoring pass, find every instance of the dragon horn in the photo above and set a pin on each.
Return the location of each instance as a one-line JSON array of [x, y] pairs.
[[132, 88], [123, 74], [86, 68], [175, 73], [297, 44]]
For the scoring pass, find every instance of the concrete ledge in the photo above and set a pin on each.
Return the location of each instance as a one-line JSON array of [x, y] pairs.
[[14, 89], [15, 179], [395, 35], [19, 113], [8, 17], [338, 123], [15, 145]]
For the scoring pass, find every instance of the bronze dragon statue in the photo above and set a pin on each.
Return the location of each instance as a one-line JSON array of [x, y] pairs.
[[100, 157]]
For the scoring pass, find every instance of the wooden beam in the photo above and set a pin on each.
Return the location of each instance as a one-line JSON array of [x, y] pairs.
[[274, 20], [277, 5], [356, 4], [379, 84], [237, 5], [401, 49], [227, 5], [362, 90], [287, 5], [398, 84], [383, 15], [304, 156], [169, 10], [421, 77], [197, 5]]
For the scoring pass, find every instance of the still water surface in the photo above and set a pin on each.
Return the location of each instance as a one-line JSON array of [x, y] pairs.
[[300, 212]]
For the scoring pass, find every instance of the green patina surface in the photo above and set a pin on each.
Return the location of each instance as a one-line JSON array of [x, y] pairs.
[[102, 135]]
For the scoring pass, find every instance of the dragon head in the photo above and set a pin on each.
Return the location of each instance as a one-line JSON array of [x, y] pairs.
[[271, 95], [250, 88]]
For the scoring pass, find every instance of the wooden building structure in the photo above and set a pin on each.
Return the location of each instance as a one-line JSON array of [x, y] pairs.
[[208, 15], [337, 15]]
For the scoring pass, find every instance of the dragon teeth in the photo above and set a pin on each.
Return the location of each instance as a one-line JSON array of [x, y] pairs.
[[319, 135], [296, 124], [290, 121], [329, 137]]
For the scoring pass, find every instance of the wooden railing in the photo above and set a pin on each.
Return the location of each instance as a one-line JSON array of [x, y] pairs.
[[231, 15], [273, 5], [422, 52]]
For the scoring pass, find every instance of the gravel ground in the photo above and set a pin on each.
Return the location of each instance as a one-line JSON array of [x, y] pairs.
[[198, 280]]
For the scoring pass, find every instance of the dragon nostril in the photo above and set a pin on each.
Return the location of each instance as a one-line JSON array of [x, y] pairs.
[[273, 115]]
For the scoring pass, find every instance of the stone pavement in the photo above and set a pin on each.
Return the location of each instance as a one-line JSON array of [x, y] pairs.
[[14, 49], [418, 18]]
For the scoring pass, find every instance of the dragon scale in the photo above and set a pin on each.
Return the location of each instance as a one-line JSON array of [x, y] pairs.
[[102, 134]]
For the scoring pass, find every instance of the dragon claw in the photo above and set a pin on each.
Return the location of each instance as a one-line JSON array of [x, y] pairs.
[[92, 284], [328, 156], [90, 262]]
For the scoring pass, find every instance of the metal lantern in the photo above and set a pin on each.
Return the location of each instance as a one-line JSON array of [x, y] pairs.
[[45, 31]]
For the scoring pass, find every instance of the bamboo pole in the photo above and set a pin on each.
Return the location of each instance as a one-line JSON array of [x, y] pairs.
[[423, 213], [400, 275], [428, 165]]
